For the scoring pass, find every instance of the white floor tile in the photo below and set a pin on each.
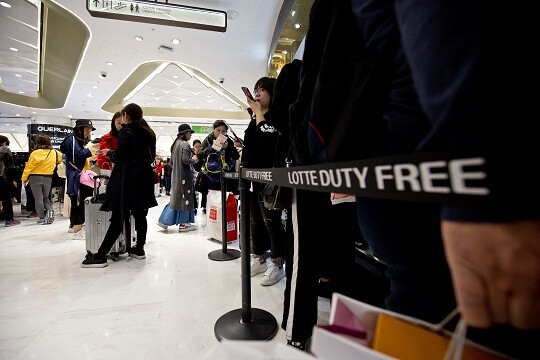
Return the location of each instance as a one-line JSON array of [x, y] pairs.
[[163, 307]]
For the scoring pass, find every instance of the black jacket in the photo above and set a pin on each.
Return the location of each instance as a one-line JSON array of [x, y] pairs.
[[131, 185], [260, 145], [231, 154]]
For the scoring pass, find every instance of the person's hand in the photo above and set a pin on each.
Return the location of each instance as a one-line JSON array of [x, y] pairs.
[[25, 183], [103, 151], [93, 158], [238, 144], [195, 158], [225, 144], [496, 271]]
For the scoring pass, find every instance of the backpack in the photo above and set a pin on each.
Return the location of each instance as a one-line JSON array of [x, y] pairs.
[[343, 89], [212, 166]]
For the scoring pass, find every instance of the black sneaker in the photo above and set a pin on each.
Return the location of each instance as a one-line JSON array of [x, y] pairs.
[[92, 262], [138, 254]]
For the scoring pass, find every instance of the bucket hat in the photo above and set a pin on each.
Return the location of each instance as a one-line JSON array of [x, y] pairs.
[[84, 123], [185, 128]]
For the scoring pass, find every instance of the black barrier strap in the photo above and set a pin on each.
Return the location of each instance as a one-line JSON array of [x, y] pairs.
[[423, 177]]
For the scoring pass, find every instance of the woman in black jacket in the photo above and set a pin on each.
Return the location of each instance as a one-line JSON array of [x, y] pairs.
[[261, 151], [131, 187]]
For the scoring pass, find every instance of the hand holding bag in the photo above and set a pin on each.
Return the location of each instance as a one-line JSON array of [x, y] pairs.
[[86, 177]]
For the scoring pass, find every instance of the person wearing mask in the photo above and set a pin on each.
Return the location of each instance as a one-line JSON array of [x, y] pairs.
[[228, 153], [131, 187], [266, 229], [38, 172], [6, 160], [182, 201], [77, 158]]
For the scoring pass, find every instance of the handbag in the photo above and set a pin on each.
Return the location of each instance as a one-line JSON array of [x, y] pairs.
[[86, 177], [59, 174], [276, 197]]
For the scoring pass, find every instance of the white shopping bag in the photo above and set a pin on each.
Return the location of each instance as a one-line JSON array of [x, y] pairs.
[[23, 196], [214, 213], [261, 350]]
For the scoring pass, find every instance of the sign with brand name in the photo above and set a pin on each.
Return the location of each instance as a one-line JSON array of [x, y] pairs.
[[159, 13], [57, 134]]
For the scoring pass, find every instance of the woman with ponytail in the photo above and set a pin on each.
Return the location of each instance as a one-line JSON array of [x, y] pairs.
[[130, 190]]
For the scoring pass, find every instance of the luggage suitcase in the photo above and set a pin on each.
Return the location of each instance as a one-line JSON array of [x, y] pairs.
[[97, 223]]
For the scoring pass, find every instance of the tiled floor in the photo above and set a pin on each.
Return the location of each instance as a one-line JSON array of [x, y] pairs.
[[163, 307]]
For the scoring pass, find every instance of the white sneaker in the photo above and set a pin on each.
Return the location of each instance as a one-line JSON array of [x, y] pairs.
[[256, 266], [272, 275], [185, 227], [161, 225], [79, 235]]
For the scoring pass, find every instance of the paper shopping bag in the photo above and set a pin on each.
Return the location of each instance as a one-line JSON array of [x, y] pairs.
[[388, 335]]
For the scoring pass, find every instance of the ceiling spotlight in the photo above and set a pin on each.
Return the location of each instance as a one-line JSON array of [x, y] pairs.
[[297, 26], [5, 4], [94, 87], [176, 41], [138, 38], [13, 49], [110, 63], [33, 112], [284, 52], [232, 15], [18, 75], [175, 76], [90, 95], [21, 92], [17, 114]]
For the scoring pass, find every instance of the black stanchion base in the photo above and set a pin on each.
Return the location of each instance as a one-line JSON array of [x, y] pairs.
[[263, 326], [219, 255]]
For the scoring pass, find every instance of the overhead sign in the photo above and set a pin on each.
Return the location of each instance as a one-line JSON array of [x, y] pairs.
[[159, 13]]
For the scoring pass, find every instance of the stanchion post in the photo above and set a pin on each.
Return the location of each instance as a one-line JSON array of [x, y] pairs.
[[224, 254], [243, 186], [245, 323], [223, 211]]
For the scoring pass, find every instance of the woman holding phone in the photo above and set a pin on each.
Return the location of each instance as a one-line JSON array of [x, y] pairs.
[[266, 230]]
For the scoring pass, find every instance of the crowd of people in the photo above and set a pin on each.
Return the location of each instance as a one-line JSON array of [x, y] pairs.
[[446, 86]]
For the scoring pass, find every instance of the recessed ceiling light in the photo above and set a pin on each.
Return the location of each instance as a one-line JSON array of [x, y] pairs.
[[110, 63], [292, 13], [94, 87], [284, 52], [297, 26], [232, 15], [21, 92], [138, 38], [13, 49], [33, 112], [176, 41], [7, 124], [18, 75], [5, 4], [17, 114], [90, 95], [175, 76]]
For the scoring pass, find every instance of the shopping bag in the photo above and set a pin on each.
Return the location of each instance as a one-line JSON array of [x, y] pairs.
[[387, 335], [23, 196], [214, 213]]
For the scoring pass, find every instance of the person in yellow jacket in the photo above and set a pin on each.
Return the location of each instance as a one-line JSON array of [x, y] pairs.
[[39, 172]]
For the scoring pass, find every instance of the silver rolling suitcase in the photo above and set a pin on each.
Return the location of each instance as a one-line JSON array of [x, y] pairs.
[[97, 223]]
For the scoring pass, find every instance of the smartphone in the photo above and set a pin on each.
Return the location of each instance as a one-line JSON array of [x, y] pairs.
[[248, 93]]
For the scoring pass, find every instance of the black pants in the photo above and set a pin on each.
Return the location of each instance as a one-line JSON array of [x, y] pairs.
[[266, 230], [115, 229], [7, 205], [76, 215]]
